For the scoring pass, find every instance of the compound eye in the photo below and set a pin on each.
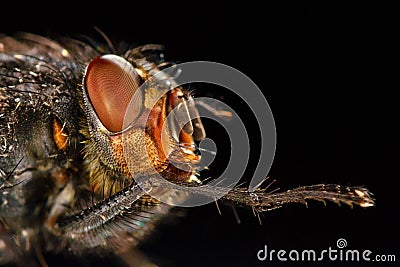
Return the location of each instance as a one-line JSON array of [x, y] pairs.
[[111, 83]]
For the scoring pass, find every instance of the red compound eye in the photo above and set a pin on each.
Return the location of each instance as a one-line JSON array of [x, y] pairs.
[[111, 83]]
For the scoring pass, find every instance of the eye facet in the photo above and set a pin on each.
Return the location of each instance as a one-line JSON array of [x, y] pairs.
[[111, 82]]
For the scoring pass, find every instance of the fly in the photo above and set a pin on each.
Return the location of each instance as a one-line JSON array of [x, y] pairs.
[[66, 182]]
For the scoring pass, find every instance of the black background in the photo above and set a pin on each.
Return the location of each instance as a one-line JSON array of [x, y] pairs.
[[326, 71]]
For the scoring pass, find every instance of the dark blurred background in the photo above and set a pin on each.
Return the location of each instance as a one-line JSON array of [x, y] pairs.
[[326, 71]]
